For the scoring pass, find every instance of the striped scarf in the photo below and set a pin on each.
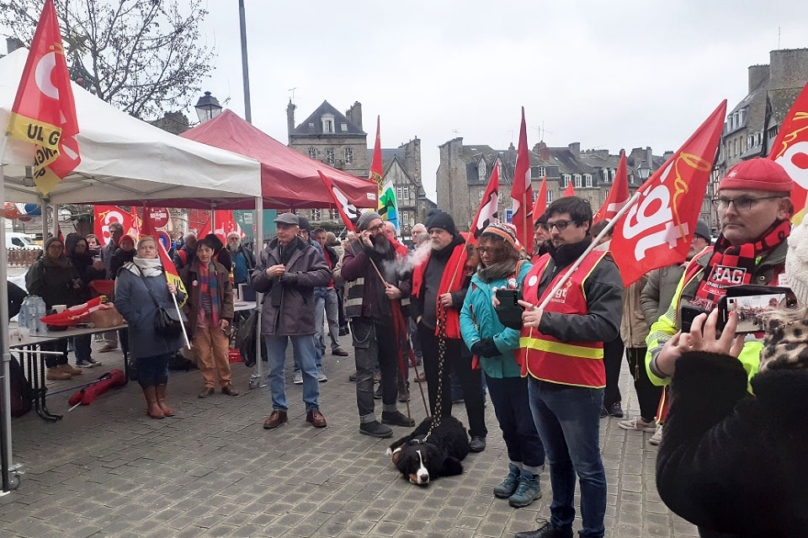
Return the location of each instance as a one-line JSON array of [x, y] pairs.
[[207, 284]]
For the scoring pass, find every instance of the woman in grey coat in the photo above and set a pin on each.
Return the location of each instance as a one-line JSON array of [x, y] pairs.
[[140, 283]]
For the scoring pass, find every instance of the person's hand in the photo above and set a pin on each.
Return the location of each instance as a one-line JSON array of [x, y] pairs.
[[275, 270], [531, 317], [351, 236], [670, 352], [494, 299], [392, 292], [98, 265], [445, 299], [223, 324], [172, 289], [364, 236], [727, 344]]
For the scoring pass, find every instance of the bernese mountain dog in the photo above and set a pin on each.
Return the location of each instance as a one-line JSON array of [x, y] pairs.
[[421, 461]]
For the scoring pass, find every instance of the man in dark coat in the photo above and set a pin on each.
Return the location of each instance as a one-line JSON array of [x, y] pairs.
[[186, 253], [288, 270]]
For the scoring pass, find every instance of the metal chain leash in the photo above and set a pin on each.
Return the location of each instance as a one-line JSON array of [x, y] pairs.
[[436, 416]]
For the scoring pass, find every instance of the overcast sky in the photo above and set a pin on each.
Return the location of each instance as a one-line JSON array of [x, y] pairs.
[[606, 74]]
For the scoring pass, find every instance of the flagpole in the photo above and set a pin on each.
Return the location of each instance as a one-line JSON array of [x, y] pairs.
[[524, 218], [4, 349], [590, 248], [184, 332]]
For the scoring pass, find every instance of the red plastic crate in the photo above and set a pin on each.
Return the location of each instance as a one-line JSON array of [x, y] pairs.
[[233, 355]]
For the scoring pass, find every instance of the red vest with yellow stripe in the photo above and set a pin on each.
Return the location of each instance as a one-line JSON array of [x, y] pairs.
[[547, 358]]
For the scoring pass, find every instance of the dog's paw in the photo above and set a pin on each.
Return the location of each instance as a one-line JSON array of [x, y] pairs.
[[388, 452]]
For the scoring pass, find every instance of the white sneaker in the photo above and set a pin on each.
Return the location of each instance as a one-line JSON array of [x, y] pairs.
[[657, 437], [299, 377], [321, 377], [639, 424]]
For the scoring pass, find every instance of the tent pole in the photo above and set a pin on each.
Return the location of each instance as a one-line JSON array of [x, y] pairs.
[[213, 220], [5, 408], [258, 246], [55, 222], [43, 207]]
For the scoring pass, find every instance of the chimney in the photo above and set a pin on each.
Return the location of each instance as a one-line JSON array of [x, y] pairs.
[[575, 148], [543, 151], [290, 119], [649, 157], [354, 114], [12, 44], [757, 74]]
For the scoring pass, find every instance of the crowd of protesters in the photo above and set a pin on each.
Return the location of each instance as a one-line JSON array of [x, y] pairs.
[[733, 409]]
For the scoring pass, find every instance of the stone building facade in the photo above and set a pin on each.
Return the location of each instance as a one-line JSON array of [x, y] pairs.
[[464, 172], [752, 126]]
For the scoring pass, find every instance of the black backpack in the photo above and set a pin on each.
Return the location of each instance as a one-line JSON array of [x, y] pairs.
[[21, 392], [245, 341]]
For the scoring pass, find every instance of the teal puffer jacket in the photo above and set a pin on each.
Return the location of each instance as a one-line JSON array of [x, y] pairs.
[[478, 320]]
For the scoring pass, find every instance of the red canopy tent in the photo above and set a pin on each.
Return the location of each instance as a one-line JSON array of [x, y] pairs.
[[288, 179]]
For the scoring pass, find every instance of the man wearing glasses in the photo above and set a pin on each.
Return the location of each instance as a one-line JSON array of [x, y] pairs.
[[561, 348], [754, 207]]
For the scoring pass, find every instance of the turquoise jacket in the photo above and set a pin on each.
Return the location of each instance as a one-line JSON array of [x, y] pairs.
[[485, 324]]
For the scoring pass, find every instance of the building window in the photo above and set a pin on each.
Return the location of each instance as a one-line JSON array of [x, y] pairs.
[[542, 171], [328, 123], [549, 197], [577, 181], [313, 153], [406, 194], [480, 196], [329, 156], [343, 127], [481, 171], [348, 155], [741, 116], [333, 214], [588, 180], [535, 196], [315, 215], [398, 193], [566, 180]]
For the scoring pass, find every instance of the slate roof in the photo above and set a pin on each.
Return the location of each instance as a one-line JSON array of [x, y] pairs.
[[781, 102], [471, 155], [312, 126]]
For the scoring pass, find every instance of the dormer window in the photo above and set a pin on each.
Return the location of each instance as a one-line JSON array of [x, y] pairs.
[[328, 123], [343, 127], [577, 181], [481, 170], [588, 178]]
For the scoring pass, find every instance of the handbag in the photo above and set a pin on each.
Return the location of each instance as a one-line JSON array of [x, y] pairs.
[[167, 323]]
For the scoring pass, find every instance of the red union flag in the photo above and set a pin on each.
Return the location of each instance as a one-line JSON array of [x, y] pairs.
[[488, 212], [105, 215], [569, 191], [172, 275], [540, 205], [346, 209], [790, 150], [656, 231], [44, 112], [618, 196], [522, 191]]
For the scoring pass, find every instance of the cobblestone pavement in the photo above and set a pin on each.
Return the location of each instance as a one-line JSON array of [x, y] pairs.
[[108, 470]]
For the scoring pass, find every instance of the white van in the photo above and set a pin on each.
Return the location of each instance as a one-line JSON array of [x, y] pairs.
[[21, 241]]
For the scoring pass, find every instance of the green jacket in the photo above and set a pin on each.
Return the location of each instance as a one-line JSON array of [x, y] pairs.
[[668, 324], [479, 320]]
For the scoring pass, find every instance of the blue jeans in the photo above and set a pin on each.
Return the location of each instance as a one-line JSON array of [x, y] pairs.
[[152, 370], [305, 355], [82, 348], [568, 421], [318, 355]]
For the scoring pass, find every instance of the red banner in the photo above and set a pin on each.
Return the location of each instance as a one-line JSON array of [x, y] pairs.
[[657, 230], [44, 112], [107, 214], [225, 223], [790, 150], [522, 190], [488, 212], [540, 205], [569, 191], [618, 195]]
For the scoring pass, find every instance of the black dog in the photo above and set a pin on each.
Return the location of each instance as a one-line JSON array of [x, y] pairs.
[[440, 455]]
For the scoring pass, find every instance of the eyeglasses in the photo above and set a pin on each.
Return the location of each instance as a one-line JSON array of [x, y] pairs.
[[376, 228], [560, 224], [742, 203], [486, 250]]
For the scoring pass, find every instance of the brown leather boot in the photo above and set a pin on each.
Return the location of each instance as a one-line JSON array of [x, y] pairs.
[[56, 374], [160, 393], [153, 409], [275, 419], [66, 368], [315, 418]]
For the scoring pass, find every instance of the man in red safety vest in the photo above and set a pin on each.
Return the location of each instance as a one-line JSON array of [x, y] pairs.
[[561, 353]]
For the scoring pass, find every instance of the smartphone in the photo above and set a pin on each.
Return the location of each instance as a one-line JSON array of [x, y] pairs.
[[509, 310], [751, 303], [689, 313], [508, 297]]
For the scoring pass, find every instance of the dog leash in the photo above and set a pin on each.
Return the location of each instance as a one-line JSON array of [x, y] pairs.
[[441, 360]]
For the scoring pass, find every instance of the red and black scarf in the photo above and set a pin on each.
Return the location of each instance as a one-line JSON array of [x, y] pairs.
[[733, 266]]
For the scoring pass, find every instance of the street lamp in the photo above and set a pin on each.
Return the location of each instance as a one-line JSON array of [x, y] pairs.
[[207, 107], [644, 171]]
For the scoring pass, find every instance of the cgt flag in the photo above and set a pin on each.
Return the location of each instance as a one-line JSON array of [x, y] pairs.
[[522, 191], [346, 209], [790, 150], [618, 196], [488, 213], [172, 275], [44, 112], [656, 231]]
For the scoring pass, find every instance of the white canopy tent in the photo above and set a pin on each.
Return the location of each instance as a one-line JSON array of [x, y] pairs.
[[123, 161]]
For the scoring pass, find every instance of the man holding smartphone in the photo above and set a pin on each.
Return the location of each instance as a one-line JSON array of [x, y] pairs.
[[754, 207]]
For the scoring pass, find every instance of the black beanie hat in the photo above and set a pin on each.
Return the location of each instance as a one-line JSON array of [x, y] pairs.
[[442, 220]]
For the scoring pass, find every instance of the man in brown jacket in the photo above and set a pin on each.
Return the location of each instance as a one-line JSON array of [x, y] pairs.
[[288, 270]]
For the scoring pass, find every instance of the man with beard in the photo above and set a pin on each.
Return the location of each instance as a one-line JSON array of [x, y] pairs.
[[367, 305], [439, 285], [243, 259]]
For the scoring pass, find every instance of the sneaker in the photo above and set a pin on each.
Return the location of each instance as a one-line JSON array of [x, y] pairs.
[[397, 418], [94, 362], [352, 377], [339, 352], [477, 444], [84, 364], [343, 331], [375, 429], [527, 491], [509, 485], [657, 437], [639, 424], [321, 377], [616, 410], [298, 377], [603, 412]]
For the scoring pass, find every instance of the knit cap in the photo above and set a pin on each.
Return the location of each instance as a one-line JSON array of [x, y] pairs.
[[366, 218], [797, 262], [502, 231], [442, 220]]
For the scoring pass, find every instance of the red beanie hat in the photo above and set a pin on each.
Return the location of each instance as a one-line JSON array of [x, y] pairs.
[[758, 175]]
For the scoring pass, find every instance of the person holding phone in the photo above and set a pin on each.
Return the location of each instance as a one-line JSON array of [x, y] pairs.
[[210, 313], [732, 463], [754, 207], [494, 345]]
